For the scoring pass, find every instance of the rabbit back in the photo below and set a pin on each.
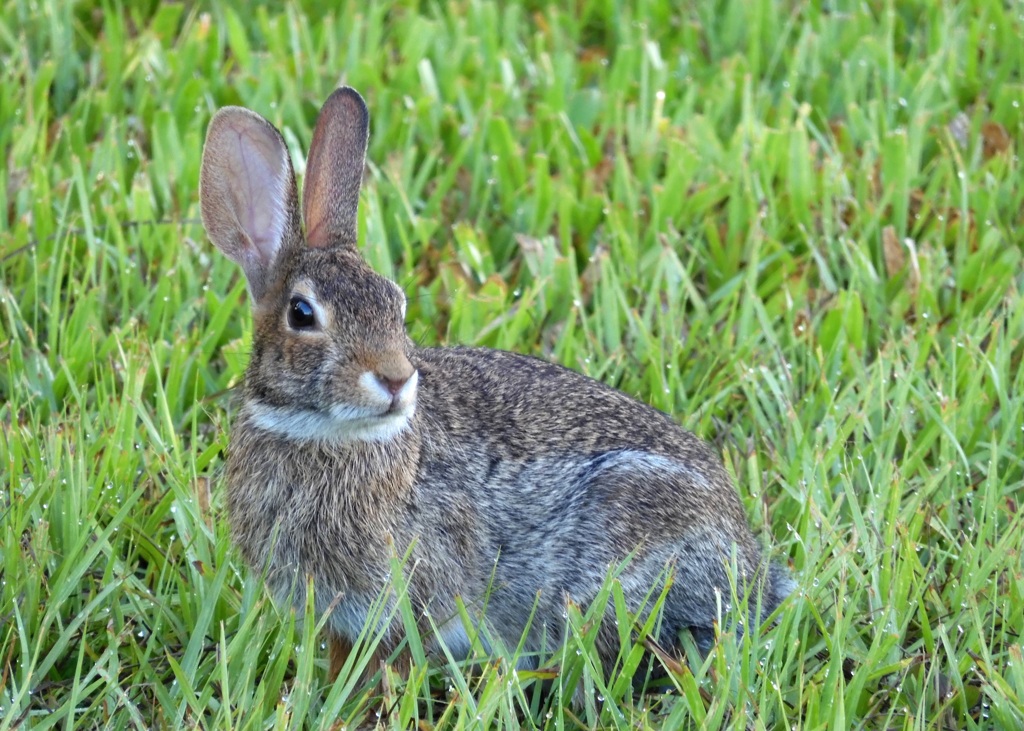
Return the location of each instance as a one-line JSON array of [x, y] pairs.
[[568, 478]]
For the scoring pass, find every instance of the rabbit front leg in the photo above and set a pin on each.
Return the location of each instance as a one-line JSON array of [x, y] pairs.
[[339, 649]]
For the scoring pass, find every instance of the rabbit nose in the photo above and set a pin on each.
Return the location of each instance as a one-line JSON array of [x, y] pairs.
[[392, 372], [393, 384]]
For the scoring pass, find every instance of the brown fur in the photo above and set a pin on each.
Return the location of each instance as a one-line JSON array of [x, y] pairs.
[[508, 481]]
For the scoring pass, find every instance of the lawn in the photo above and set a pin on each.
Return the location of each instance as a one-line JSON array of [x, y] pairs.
[[795, 226]]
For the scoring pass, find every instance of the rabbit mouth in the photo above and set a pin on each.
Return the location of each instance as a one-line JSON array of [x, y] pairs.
[[382, 417]]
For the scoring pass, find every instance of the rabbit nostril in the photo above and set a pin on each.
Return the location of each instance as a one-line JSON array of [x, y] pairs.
[[393, 385]]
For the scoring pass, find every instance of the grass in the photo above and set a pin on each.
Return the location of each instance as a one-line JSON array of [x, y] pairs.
[[794, 226]]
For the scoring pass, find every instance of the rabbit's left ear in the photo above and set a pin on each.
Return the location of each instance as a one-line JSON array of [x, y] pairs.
[[247, 193], [334, 170]]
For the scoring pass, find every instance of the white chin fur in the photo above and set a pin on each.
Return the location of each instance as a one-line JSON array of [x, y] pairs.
[[342, 423]]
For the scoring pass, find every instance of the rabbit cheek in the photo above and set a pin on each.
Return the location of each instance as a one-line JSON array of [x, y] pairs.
[[298, 372]]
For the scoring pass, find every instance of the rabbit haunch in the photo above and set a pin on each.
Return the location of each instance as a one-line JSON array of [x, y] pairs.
[[512, 481]]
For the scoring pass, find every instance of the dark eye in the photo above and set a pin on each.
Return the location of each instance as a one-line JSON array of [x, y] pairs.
[[300, 314]]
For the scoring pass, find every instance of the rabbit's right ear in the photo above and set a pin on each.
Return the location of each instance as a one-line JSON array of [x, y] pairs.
[[247, 193]]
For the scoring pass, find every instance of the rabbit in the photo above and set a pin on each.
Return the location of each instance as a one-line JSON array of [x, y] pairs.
[[508, 481]]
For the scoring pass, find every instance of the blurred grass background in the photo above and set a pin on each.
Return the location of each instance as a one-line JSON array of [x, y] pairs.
[[795, 226]]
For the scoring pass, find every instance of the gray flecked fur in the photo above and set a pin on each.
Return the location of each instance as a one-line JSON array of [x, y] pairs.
[[513, 479]]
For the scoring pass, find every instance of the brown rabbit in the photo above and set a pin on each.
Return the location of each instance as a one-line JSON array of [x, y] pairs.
[[512, 481]]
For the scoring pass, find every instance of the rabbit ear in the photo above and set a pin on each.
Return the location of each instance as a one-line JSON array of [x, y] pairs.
[[334, 170], [247, 192]]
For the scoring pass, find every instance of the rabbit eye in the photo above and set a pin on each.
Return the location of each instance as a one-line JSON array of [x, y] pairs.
[[300, 314]]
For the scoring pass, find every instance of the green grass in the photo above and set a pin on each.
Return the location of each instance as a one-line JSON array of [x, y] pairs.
[[795, 226]]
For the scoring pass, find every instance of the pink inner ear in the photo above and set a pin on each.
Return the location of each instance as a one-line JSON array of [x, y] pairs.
[[247, 192], [257, 173], [317, 235], [334, 170]]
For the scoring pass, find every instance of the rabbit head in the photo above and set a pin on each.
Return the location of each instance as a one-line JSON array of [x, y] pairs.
[[331, 357]]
